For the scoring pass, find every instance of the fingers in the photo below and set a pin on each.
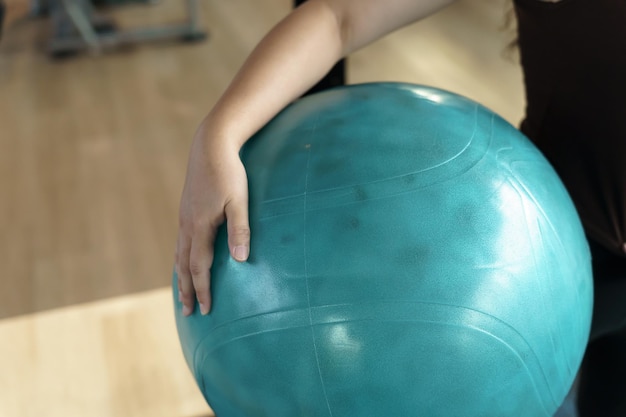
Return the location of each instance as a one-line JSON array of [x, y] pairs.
[[197, 232], [238, 229], [186, 293], [194, 256], [193, 264], [200, 260]]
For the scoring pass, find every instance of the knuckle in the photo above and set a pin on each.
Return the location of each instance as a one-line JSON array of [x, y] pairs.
[[241, 231], [189, 225], [183, 269], [196, 268], [186, 291], [200, 223]]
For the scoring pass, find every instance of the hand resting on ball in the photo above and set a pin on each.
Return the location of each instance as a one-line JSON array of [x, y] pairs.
[[293, 57], [205, 205]]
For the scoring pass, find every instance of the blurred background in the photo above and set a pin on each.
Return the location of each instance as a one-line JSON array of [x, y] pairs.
[[96, 119]]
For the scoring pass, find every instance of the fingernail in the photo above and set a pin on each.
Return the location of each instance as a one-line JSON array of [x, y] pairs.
[[241, 253], [204, 309], [186, 310], [180, 296]]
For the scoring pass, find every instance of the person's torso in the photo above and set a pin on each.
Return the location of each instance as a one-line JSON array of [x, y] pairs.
[[573, 54]]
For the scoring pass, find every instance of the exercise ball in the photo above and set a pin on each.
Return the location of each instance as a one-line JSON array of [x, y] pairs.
[[412, 255]]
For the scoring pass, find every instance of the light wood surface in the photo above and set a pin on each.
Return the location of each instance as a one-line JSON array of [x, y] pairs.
[[93, 153], [119, 357], [114, 358]]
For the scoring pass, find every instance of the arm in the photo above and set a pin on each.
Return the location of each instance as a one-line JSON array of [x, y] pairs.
[[292, 57], [300, 50]]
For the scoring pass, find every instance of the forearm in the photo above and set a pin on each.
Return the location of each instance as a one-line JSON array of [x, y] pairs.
[[285, 64], [297, 53], [288, 61]]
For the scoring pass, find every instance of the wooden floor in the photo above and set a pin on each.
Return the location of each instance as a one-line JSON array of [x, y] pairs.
[[93, 154]]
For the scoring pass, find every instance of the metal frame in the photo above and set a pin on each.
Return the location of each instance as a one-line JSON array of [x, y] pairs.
[[80, 16]]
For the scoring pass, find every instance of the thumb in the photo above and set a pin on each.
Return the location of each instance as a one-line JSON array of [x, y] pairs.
[[238, 229]]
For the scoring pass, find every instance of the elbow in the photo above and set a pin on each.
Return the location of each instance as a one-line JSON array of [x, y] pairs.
[[336, 15]]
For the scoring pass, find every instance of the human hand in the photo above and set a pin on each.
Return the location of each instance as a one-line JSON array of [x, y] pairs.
[[216, 190]]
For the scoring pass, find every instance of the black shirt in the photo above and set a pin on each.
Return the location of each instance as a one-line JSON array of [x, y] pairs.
[[573, 55]]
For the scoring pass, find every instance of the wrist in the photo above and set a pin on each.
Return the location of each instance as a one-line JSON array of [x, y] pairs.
[[218, 136]]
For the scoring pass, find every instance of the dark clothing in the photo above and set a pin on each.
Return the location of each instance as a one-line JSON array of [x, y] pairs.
[[602, 377], [335, 77], [573, 56], [574, 59], [602, 383], [609, 309]]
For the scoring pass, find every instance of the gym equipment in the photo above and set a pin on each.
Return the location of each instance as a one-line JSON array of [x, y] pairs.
[[412, 254], [77, 27]]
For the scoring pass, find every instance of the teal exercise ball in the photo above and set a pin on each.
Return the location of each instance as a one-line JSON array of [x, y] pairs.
[[412, 255]]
